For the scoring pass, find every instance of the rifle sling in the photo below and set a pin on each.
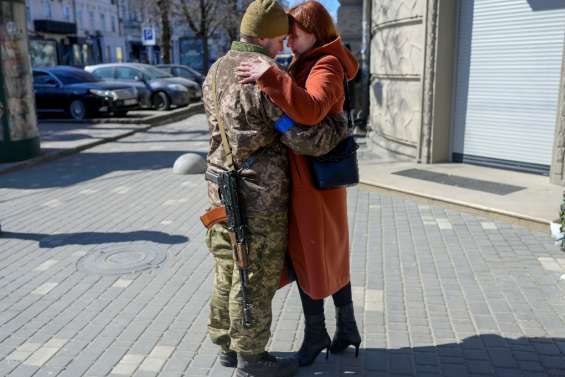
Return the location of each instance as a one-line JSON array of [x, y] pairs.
[[225, 143]]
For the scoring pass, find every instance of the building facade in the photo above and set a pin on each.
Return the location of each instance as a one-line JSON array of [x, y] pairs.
[[99, 31], [349, 14], [52, 29], [476, 81], [74, 32]]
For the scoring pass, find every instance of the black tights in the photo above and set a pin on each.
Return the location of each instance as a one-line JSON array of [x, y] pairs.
[[314, 307]]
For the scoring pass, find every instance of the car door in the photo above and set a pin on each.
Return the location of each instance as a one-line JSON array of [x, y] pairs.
[[48, 92]]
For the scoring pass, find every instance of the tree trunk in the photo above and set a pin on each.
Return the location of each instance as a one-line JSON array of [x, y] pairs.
[[204, 36], [233, 21], [164, 6], [205, 54]]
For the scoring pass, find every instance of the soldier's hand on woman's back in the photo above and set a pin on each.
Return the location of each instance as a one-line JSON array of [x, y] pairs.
[[250, 71]]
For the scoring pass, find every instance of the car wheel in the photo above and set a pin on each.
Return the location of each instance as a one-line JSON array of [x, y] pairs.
[[77, 110], [161, 101]]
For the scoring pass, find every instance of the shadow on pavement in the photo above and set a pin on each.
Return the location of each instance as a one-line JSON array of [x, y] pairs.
[[67, 137], [485, 354], [87, 165], [49, 241]]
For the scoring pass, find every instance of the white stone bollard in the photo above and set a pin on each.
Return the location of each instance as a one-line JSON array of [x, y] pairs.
[[190, 163]]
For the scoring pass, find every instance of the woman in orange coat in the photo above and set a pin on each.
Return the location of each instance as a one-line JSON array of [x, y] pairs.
[[318, 243]]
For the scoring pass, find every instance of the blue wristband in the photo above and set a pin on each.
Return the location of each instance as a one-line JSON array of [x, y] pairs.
[[283, 124]]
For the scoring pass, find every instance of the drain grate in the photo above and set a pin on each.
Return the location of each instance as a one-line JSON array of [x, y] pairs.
[[117, 261], [458, 181]]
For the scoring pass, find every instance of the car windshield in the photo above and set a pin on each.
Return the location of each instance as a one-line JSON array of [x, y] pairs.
[[155, 73], [73, 76]]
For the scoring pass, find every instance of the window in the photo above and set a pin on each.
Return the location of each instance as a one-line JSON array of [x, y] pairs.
[[106, 73], [108, 54], [119, 55], [66, 13], [124, 73], [102, 22], [43, 78], [113, 24], [184, 73], [73, 76], [79, 17], [47, 8], [92, 23], [28, 13]]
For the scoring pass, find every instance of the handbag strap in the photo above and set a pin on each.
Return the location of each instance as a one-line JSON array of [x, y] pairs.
[[347, 103], [225, 142]]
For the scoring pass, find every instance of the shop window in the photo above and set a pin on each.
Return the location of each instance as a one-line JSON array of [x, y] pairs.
[[43, 52]]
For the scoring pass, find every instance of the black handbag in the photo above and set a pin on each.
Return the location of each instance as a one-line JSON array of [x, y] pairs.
[[337, 168]]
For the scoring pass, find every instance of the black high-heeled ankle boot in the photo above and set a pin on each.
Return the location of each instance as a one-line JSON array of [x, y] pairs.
[[346, 332], [316, 339]]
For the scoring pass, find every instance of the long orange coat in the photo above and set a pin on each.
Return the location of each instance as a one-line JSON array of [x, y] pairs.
[[318, 241]]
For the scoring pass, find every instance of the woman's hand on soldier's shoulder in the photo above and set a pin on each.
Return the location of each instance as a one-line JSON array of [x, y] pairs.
[[251, 70]]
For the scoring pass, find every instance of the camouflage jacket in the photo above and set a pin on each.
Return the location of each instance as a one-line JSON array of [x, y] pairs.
[[248, 118]]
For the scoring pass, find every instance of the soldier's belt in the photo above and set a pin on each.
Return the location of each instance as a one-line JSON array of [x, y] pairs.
[[214, 216]]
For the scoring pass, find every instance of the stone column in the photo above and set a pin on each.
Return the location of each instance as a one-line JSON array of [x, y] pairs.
[[557, 170], [437, 83], [397, 50], [19, 139]]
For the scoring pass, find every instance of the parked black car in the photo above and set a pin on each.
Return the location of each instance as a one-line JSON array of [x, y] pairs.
[[183, 71], [166, 90], [74, 92]]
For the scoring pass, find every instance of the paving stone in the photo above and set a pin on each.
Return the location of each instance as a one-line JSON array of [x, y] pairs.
[[464, 296]]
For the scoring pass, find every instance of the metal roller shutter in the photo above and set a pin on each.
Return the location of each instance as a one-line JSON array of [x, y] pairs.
[[509, 62]]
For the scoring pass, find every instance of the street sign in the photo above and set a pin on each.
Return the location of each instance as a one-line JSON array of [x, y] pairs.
[[148, 36]]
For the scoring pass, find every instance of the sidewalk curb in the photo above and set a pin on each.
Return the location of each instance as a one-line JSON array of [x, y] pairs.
[[152, 119], [148, 123], [532, 223]]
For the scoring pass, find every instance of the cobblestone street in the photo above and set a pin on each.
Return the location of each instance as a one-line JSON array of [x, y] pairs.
[[104, 272]]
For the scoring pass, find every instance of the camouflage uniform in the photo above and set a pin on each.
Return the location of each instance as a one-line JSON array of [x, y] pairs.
[[248, 117]]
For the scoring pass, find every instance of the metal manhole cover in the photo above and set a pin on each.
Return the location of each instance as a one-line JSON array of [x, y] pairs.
[[122, 260]]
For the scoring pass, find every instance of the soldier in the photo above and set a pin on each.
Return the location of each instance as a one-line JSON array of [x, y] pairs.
[[247, 116]]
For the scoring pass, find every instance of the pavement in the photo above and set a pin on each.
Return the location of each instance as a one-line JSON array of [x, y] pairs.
[[525, 199], [104, 272], [63, 137]]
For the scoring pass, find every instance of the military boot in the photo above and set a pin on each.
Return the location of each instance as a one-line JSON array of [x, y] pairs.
[[228, 358], [316, 339], [346, 332], [265, 365]]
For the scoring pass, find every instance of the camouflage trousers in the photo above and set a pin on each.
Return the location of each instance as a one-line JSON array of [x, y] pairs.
[[267, 248]]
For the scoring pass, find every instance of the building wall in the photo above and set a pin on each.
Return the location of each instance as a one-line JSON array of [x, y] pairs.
[[49, 10], [413, 51], [557, 172], [349, 16], [397, 56], [101, 18]]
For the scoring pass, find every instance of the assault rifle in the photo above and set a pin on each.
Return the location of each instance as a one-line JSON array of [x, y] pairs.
[[228, 187]]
